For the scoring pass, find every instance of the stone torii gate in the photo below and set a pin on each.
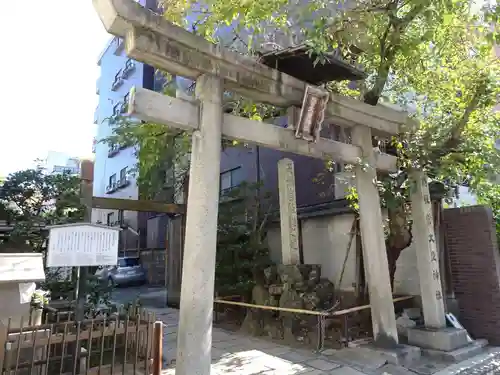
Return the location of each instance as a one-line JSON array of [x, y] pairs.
[[153, 40]]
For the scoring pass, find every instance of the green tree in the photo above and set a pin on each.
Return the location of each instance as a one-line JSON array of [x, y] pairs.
[[432, 57], [33, 200], [162, 156], [244, 215]]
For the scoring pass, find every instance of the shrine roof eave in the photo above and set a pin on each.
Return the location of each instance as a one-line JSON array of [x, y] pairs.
[[299, 62], [152, 39]]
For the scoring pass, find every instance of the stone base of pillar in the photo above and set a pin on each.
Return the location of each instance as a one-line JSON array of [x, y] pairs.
[[445, 339], [472, 349], [447, 344], [399, 354]]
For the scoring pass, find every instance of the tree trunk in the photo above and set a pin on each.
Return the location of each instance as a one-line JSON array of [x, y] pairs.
[[400, 237]]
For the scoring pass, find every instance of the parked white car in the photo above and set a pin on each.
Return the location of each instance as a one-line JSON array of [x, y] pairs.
[[128, 271]]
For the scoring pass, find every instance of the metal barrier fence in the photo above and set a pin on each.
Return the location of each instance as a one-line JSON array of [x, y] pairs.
[[124, 342], [343, 318]]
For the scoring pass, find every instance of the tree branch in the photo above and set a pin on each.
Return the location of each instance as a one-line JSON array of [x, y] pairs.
[[456, 133], [414, 12]]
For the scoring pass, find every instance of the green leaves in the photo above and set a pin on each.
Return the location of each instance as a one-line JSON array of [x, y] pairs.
[[33, 200], [159, 152]]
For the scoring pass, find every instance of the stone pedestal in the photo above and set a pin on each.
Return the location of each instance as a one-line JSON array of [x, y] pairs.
[[448, 344], [446, 339]]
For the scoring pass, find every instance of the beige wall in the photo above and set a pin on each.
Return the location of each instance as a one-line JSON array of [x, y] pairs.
[[11, 306], [406, 278], [325, 241]]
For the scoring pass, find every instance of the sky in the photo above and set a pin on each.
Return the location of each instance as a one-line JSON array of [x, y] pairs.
[[48, 76]]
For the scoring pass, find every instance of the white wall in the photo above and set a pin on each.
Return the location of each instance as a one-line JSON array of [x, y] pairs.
[[325, 240], [406, 279]]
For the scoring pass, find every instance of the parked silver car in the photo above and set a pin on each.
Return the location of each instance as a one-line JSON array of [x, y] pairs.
[[127, 271]]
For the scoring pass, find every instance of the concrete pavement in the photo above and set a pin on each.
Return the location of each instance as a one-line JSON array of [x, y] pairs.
[[237, 354], [233, 353]]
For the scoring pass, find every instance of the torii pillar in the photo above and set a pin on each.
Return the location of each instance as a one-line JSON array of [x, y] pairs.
[[436, 335], [194, 335], [372, 236]]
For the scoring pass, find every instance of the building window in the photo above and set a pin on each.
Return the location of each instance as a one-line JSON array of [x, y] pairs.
[[110, 219], [112, 179], [120, 216], [123, 174], [230, 179], [336, 133], [159, 82]]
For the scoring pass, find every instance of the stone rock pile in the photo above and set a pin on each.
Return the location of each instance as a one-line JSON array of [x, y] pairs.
[[294, 287]]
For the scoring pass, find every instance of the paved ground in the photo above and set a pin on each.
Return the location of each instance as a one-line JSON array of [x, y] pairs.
[[147, 295], [487, 364], [236, 354]]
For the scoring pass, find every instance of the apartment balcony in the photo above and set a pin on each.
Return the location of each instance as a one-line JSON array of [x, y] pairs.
[[97, 86], [64, 169], [119, 45], [113, 151], [118, 109], [123, 182], [120, 184], [94, 145], [124, 108], [96, 116], [129, 69], [111, 188], [117, 83]]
